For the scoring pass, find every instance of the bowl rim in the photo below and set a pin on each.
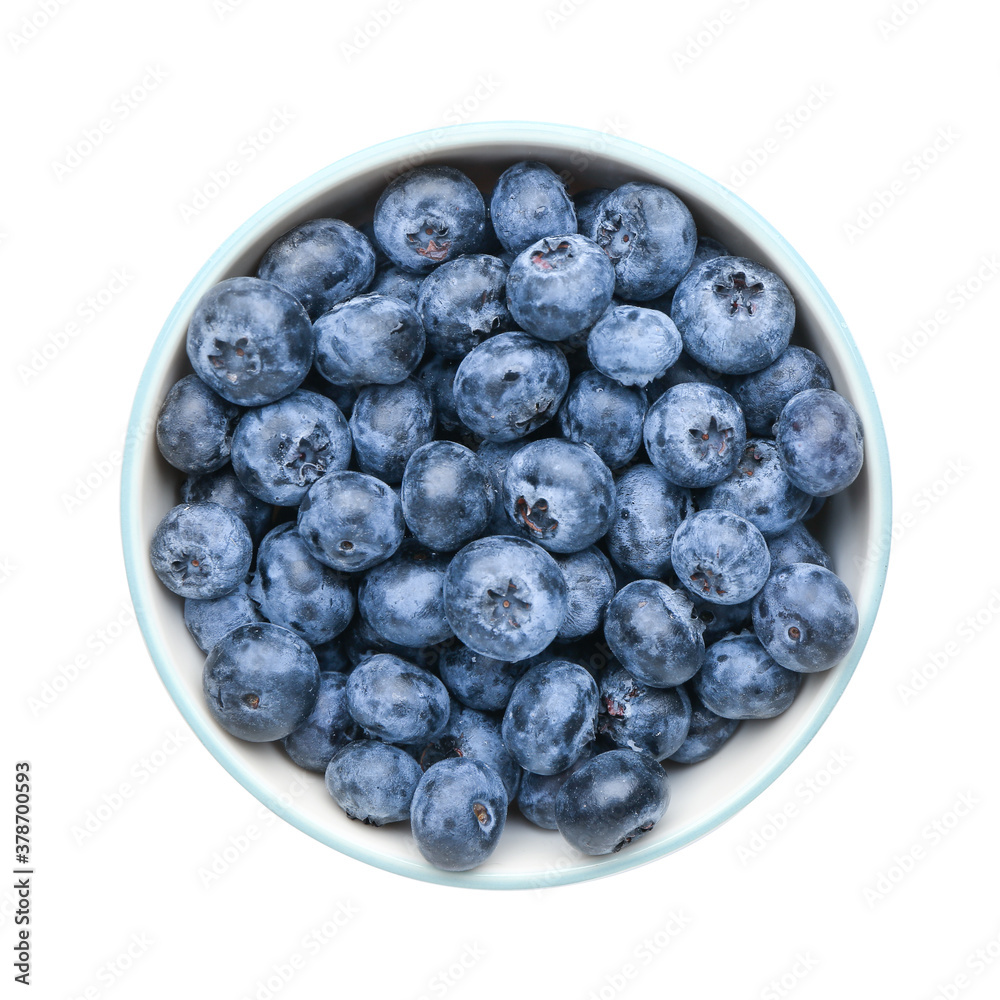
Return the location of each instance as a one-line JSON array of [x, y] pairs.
[[457, 138]]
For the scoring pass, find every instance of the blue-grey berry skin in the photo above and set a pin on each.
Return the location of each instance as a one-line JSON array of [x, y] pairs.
[[759, 490], [721, 557], [605, 414], [397, 284], [586, 204], [296, 591], [250, 341], [342, 396], [373, 782], [720, 619], [224, 488], [427, 216], [797, 545], [447, 495], [649, 235], [281, 449], [558, 494], [389, 423], [706, 736], [805, 618], [649, 509], [211, 620], [478, 681], [820, 442], [633, 345], [536, 798], [462, 303], [740, 681], [437, 376], [332, 657], [458, 813], [559, 286], [611, 801], [350, 521], [261, 682], [322, 262], [194, 428], [706, 249], [368, 340], [201, 550], [551, 716], [505, 597], [328, 727], [652, 632], [360, 641], [635, 716], [735, 316], [402, 598], [528, 203], [509, 386], [395, 701], [763, 394], [476, 736], [695, 434], [590, 584]]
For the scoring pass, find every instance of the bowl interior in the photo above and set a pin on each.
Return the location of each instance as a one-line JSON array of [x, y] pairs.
[[854, 526]]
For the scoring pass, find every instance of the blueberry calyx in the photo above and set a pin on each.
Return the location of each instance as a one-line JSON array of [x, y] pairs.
[[739, 293], [307, 459], [441, 749], [507, 605], [707, 581], [616, 250], [544, 522], [629, 837], [235, 359], [715, 438], [549, 257], [437, 247]]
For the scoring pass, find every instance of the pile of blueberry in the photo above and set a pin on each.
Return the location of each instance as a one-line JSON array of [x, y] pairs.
[[504, 505]]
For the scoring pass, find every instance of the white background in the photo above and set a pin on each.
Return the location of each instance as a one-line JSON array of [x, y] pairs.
[[806, 913]]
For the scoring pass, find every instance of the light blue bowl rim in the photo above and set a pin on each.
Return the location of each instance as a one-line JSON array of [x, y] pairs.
[[459, 137]]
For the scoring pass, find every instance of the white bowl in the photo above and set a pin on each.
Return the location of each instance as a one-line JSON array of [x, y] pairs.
[[855, 526]]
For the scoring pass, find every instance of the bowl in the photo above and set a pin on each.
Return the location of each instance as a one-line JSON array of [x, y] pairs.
[[854, 526]]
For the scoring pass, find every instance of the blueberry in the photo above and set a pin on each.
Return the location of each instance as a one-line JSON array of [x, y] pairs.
[[509, 386], [437, 376], [530, 202], [201, 550], [734, 315], [551, 716], [250, 341], [458, 813], [706, 249], [401, 598], [505, 597], [763, 394], [536, 797], [462, 303], [638, 717], [429, 215], [695, 434], [281, 449], [612, 800], [759, 490], [820, 442], [559, 286], [478, 681], [359, 642], [332, 657], [389, 423], [224, 488], [720, 619], [649, 509], [328, 727], [587, 204], [395, 701], [590, 584], [805, 618], [397, 284], [559, 494], [740, 681], [686, 369], [350, 521], [371, 339], [633, 345], [298, 592], [706, 735], [194, 428], [721, 557], [322, 262], [796, 545], [603, 413], [650, 630], [261, 682], [373, 782], [210, 620], [649, 235], [447, 495]]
